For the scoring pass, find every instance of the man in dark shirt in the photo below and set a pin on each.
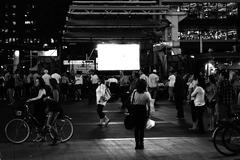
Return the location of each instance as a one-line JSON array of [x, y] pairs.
[[179, 95], [225, 96]]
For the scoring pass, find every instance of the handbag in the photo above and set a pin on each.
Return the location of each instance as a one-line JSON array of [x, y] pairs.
[[107, 94], [129, 121], [150, 124]]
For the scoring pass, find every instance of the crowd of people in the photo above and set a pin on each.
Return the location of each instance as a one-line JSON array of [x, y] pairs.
[[216, 93]]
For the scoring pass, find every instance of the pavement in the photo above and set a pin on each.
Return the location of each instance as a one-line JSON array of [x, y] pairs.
[[170, 139]]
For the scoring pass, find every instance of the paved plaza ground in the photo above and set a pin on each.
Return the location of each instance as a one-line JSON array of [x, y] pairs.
[[170, 139]]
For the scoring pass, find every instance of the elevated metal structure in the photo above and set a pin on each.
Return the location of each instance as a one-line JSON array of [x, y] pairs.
[[124, 19]]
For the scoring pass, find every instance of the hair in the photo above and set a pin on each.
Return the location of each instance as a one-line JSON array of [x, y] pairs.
[[101, 79], [41, 83], [141, 86], [212, 79], [53, 83], [136, 75], [225, 74], [79, 72]]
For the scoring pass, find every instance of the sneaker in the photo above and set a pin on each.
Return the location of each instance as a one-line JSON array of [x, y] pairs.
[[107, 122], [192, 129]]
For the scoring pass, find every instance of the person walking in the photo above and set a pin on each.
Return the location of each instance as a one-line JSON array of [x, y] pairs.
[[171, 79], [78, 85], [54, 109], [211, 92], [199, 103], [192, 85], [153, 84], [140, 110], [101, 102], [124, 84], [179, 95], [225, 94], [46, 77]]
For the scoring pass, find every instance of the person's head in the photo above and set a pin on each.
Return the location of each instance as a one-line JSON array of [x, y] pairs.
[[154, 71], [39, 82], [53, 83], [141, 86], [224, 74], [101, 79], [45, 71], [136, 75]]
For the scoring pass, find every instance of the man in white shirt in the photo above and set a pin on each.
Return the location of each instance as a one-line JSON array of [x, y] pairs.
[[56, 76], [153, 84], [46, 77], [172, 79]]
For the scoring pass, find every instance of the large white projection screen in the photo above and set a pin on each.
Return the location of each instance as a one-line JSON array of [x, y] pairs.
[[118, 57]]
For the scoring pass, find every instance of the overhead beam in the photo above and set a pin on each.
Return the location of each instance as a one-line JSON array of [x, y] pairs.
[[114, 2], [117, 10]]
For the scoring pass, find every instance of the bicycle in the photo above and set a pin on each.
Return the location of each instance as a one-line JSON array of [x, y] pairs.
[[226, 136], [18, 129]]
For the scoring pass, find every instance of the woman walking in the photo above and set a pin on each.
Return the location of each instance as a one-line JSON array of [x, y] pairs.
[[211, 93], [199, 103], [141, 109], [101, 102]]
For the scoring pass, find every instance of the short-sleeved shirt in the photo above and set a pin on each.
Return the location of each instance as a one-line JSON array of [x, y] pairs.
[[153, 80], [94, 79], [172, 80], [78, 79], [140, 98], [56, 76]]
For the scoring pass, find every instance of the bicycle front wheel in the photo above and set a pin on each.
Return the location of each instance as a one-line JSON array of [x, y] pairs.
[[218, 142], [17, 131], [231, 139], [64, 129]]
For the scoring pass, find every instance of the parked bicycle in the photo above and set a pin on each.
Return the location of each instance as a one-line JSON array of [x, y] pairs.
[[226, 136], [19, 129]]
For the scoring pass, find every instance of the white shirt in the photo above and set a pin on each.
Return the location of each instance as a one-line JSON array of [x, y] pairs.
[[78, 79], [46, 78], [172, 80], [56, 76], [198, 95], [100, 91], [112, 80], [153, 80], [94, 79]]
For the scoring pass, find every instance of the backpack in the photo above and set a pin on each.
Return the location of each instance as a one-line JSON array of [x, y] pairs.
[[107, 94]]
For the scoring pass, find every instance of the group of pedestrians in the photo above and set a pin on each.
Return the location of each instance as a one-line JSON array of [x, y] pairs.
[[216, 93]]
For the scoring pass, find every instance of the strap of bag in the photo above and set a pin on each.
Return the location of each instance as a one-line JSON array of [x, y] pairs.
[[133, 96]]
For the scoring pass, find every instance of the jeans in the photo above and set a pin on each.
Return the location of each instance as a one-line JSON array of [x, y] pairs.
[[140, 117], [100, 111]]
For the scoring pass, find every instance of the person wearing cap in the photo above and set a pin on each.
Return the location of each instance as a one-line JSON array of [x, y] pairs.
[[153, 84], [46, 77]]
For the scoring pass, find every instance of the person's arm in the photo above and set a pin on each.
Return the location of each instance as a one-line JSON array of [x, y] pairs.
[[195, 92], [40, 94], [55, 95]]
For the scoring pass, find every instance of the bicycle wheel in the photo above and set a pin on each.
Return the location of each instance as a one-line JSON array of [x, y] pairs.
[[217, 138], [231, 139], [17, 131], [64, 129]]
